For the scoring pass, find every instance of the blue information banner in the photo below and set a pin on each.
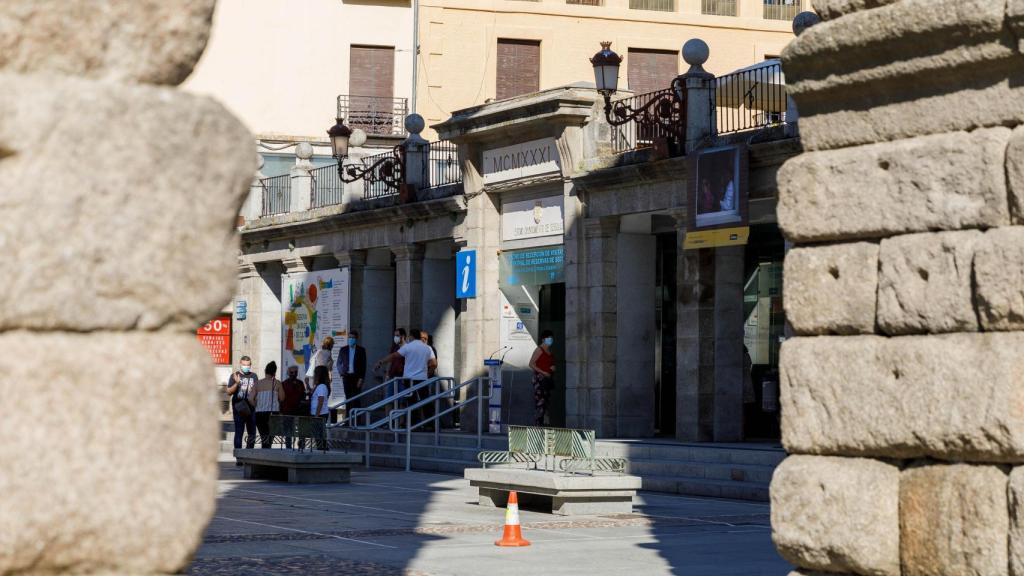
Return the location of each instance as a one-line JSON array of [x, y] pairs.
[[465, 270], [534, 266]]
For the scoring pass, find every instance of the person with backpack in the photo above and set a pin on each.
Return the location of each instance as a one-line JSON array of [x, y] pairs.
[[240, 387]]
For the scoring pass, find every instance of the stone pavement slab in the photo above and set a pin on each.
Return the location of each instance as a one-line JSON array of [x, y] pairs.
[[417, 524]]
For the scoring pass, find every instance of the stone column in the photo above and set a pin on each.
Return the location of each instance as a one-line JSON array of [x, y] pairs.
[[355, 261], [121, 251], [695, 343], [377, 305], [728, 344], [600, 260], [439, 304], [700, 125], [901, 389], [635, 334], [302, 179], [408, 285]]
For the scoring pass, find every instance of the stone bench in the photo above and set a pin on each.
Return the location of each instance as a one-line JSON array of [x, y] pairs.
[[563, 494], [297, 467]]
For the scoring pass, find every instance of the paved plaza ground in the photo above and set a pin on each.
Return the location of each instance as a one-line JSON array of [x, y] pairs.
[[390, 522]]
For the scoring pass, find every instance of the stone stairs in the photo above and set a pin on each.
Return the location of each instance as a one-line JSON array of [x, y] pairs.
[[737, 471]]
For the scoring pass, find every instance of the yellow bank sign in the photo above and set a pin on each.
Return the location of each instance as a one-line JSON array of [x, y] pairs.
[[716, 238]]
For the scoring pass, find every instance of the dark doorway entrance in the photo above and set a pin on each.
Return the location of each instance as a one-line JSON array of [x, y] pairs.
[[552, 317], [665, 337]]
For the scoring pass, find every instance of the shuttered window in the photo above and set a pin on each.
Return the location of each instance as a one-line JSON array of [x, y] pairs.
[[651, 70], [371, 71], [518, 67]]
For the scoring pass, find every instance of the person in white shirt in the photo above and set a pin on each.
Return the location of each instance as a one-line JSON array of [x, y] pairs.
[[419, 360], [318, 400]]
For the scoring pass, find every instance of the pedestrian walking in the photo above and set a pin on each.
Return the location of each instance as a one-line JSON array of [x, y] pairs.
[[352, 367], [418, 358], [267, 403], [293, 401], [318, 400], [240, 387], [543, 365]]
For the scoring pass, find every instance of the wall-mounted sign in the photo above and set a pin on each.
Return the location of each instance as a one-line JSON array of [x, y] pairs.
[[533, 218], [533, 158], [535, 266], [717, 207], [465, 274], [215, 336], [241, 309], [315, 306]]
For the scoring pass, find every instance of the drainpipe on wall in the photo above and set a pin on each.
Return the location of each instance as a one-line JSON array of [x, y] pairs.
[[415, 52]]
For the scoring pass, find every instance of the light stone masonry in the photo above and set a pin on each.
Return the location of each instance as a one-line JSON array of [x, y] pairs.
[[1015, 494], [832, 9], [941, 182], [144, 41], [999, 276], [954, 396], [954, 520], [1015, 166], [129, 487], [80, 208], [817, 274], [810, 492], [924, 283]]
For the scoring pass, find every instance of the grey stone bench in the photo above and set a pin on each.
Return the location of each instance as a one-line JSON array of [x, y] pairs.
[[564, 494], [297, 467]]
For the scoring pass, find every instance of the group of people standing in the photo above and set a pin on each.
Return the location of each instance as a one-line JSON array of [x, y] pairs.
[[411, 360]]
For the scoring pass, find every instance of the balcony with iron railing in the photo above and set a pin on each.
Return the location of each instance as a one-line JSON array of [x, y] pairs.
[[374, 115], [781, 9], [277, 195], [647, 119], [718, 7], [750, 99]]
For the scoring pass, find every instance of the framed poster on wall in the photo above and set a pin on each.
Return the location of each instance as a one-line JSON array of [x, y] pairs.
[[717, 203]]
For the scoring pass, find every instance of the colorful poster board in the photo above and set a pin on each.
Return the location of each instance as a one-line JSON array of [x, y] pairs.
[[717, 205], [215, 336], [315, 306]]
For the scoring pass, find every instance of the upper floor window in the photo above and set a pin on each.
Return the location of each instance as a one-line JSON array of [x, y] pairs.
[[518, 67]]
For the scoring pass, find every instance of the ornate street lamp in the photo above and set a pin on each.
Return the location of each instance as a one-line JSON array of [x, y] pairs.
[[388, 170], [657, 112]]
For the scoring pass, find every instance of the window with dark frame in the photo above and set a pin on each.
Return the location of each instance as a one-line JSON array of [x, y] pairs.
[[371, 88]]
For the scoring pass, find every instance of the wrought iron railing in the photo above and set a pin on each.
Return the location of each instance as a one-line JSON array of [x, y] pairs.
[[661, 116], [781, 9], [659, 5], [378, 185], [718, 7], [374, 115], [277, 195], [328, 189], [749, 100], [443, 167]]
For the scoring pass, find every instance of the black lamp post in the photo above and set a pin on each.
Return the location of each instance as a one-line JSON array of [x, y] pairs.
[[388, 169], [659, 111]]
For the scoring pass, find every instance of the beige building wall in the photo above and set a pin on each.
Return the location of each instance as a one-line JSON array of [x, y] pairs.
[[458, 41], [279, 65]]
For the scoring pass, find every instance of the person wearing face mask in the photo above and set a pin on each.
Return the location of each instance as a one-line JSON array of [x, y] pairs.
[[543, 365], [240, 387], [396, 368], [352, 367]]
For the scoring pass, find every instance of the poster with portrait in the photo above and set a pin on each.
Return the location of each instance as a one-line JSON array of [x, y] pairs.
[[717, 203]]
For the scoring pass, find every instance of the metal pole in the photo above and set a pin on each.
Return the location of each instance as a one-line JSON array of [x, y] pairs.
[[408, 443], [479, 411], [415, 52], [437, 421]]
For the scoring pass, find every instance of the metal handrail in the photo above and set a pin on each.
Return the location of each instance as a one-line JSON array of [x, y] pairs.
[[407, 412], [387, 420], [365, 392]]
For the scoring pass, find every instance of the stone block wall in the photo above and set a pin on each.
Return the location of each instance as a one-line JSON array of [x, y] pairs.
[[903, 389], [119, 197]]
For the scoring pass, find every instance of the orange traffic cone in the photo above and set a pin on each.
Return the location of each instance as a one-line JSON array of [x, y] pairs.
[[513, 535]]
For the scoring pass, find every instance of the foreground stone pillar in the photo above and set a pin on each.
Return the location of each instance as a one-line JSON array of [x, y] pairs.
[[120, 199], [902, 390]]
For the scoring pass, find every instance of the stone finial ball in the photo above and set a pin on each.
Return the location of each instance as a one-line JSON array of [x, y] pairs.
[[358, 138], [304, 150], [803, 21], [414, 123], [696, 52]]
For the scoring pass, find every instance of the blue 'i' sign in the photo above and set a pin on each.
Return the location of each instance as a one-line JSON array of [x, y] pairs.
[[465, 274]]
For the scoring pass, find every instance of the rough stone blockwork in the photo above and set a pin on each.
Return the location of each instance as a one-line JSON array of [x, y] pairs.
[[119, 201], [906, 292]]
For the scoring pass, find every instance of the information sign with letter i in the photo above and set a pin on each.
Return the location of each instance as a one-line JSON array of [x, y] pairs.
[[465, 279]]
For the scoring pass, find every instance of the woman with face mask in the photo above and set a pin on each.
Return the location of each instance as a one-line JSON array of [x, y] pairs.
[[543, 365], [397, 365]]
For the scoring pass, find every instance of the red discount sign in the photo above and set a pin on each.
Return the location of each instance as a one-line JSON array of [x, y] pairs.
[[215, 336]]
